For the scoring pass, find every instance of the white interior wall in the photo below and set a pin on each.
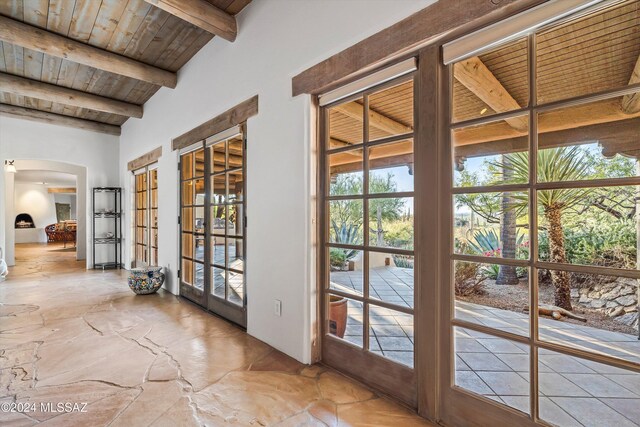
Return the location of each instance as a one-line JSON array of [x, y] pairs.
[[35, 200], [92, 156], [277, 39]]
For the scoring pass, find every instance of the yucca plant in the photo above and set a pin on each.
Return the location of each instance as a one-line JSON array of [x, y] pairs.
[[554, 165]]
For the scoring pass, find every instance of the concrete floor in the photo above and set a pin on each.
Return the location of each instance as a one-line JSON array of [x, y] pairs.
[[77, 336]]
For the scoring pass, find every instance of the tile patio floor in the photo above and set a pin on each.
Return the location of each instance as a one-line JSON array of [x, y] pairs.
[[573, 392]]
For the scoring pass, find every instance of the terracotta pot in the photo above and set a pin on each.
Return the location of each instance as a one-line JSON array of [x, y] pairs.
[[337, 316]]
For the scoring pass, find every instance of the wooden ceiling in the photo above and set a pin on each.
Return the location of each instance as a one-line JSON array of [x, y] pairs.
[[100, 60], [592, 54]]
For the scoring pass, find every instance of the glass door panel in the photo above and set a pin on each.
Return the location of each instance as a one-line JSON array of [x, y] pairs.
[[145, 217], [192, 224], [543, 269], [226, 235], [368, 236], [213, 221]]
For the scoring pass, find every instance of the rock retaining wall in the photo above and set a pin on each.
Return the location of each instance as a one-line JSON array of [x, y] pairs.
[[617, 299]]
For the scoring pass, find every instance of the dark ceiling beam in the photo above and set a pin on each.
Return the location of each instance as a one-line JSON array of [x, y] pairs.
[[62, 95], [57, 119], [27, 36], [201, 14], [619, 135]]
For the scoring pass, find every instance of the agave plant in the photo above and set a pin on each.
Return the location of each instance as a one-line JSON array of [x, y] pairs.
[[555, 164], [347, 234]]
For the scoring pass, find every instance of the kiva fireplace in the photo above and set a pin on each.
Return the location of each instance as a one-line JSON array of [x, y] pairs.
[[24, 220]]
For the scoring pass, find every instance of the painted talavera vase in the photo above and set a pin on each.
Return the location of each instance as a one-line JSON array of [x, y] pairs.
[[145, 280]]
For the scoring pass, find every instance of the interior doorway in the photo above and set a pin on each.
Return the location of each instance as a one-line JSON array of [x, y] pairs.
[[45, 204]]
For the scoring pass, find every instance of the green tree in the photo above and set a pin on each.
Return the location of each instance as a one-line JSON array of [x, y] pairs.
[[346, 215], [556, 164]]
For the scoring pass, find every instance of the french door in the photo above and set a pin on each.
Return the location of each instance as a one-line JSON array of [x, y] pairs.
[[146, 216], [212, 224], [367, 236], [541, 258]]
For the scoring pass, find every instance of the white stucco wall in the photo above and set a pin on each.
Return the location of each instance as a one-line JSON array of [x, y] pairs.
[[74, 151], [277, 39], [35, 200]]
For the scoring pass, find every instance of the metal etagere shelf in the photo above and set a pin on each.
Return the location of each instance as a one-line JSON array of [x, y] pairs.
[[111, 212]]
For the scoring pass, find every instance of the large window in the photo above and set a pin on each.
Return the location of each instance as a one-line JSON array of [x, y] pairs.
[[146, 217], [369, 224], [545, 136]]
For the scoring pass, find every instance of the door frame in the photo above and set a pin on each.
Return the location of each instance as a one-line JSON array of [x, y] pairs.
[[437, 396], [205, 298]]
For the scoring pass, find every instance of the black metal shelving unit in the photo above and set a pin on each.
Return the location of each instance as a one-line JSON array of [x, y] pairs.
[[115, 214]]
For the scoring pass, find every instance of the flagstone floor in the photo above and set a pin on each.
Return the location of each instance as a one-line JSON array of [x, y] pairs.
[[68, 335]]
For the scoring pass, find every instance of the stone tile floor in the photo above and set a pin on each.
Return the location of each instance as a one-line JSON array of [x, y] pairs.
[[71, 335], [573, 392]]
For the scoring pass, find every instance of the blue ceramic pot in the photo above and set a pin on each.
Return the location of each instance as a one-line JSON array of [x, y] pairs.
[[146, 280]]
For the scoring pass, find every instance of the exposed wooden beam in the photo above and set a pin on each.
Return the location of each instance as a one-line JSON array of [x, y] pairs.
[[377, 120], [631, 102], [62, 95], [620, 136], [27, 36], [476, 77], [57, 119], [444, 18], [583, 115], [230, 118], [145, 160], [67, 190], [201, 14]]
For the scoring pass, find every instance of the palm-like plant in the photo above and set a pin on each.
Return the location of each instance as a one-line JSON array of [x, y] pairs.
[[554, 165]]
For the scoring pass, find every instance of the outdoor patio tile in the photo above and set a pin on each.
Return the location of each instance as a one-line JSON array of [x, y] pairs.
[[599, 386], [554, 414], [591, 412], [505, 383], [404, 357], [374, 345], [469, 345], [602, 368], [472, 382], [500, 345], [521, 403], [404, 319], [382, 320], [564, 364], [553, 384], [460, 365], [630, 381], [395, 343], [353, 329], [517, 362], [484, 362], [630, 408], [354, 339], [394, 330]]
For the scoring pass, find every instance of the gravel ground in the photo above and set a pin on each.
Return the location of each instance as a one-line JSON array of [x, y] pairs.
[[516, 298]]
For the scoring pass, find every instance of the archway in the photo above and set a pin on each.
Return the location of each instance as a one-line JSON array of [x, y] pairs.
[[80, 172]]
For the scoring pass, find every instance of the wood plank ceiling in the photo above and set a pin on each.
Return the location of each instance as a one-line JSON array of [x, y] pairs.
[[595, 53], [156, 40]]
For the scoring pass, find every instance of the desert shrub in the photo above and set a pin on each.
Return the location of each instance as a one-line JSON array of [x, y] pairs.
[[469, 279], [337, 257], [604, 242], [403, 261], [399, 234]]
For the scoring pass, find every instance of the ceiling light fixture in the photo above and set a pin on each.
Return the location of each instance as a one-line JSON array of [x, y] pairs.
[[10, 167], [484, 110]]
